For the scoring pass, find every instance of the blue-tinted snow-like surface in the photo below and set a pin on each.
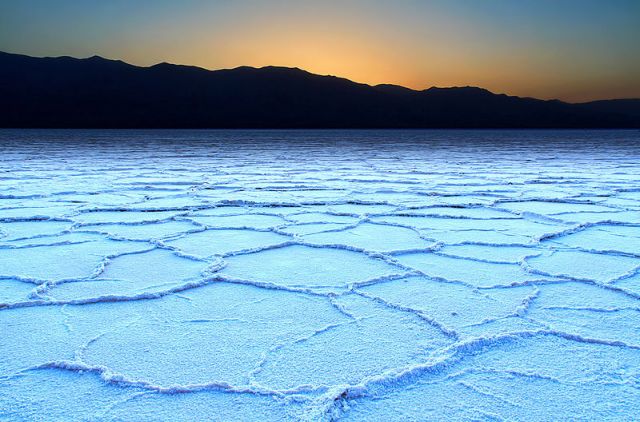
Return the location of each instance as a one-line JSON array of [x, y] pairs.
[[422, 275]]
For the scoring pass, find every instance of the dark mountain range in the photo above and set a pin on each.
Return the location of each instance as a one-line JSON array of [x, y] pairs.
[[625, 106], [96, 92]]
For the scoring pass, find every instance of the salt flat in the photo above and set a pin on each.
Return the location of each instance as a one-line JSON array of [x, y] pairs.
[[319, 275]]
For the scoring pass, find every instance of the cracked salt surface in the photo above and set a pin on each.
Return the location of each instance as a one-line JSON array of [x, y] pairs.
[[276, 275]]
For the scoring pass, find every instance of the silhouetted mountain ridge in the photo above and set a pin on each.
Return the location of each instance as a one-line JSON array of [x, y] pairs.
[[98, 92], [629, 106]]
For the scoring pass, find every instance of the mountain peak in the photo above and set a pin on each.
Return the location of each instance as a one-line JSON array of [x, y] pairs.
[[461, 89], [394, 89], [163, 65], [96, 58]]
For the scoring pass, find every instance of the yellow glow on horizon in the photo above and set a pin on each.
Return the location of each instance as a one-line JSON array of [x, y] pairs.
[[420, 45]]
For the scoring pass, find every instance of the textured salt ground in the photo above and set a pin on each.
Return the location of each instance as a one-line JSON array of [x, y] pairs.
[[318, 276]]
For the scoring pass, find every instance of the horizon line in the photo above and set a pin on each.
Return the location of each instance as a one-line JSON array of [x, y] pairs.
[[97, 56]]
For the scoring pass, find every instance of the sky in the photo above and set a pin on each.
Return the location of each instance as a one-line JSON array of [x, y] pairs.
[[574, 50]]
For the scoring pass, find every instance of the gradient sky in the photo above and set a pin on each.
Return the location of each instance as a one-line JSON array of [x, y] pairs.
[[574, 50]]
